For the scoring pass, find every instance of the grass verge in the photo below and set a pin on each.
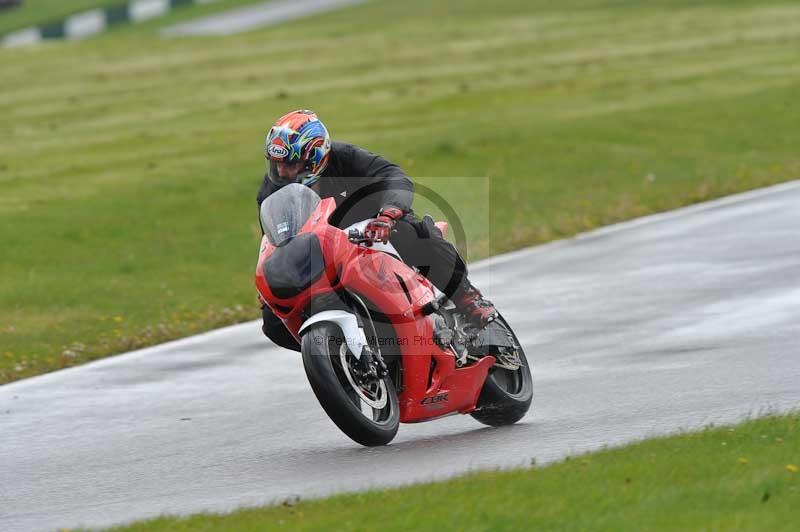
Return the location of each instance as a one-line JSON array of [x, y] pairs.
[[130, 163], [740, 478]]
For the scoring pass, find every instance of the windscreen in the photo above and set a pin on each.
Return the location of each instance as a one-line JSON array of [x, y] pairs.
[[285, 211]]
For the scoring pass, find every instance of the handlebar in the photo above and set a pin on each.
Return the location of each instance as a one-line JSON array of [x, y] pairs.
[[357, 237]]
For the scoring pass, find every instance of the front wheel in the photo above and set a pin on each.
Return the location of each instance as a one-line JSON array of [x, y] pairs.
[[367, 411], [507, 393]]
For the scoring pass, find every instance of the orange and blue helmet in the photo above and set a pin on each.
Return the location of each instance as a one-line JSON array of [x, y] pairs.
[[297, 137]]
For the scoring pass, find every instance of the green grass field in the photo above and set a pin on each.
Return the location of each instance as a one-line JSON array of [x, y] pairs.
[[735, 478], [129, 163]]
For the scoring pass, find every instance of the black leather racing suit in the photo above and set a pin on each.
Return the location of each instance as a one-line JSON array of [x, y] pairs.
[[362, 183]]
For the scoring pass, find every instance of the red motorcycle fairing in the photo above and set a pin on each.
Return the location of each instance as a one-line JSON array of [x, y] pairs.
[[431, 385]]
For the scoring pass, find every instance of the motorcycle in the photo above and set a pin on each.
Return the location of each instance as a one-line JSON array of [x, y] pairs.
[[380, 344]]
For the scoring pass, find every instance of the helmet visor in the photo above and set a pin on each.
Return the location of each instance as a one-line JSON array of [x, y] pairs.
[[290, 173]]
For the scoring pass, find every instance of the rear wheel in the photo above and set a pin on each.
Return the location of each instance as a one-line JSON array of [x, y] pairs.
[[507, 393], [366, 410]]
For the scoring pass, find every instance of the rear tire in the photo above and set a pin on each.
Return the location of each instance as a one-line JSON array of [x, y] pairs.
[[507, 394], [323, 348]]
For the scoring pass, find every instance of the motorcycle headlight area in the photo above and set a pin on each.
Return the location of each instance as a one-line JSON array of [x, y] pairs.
[[294, 266]]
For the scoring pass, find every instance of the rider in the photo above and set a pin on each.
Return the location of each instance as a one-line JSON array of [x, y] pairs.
[[298, 149]]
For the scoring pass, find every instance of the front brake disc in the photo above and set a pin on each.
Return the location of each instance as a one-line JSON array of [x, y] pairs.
[[377, 389]]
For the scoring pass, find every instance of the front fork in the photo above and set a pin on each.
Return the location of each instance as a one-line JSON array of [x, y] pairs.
[[371, 359]]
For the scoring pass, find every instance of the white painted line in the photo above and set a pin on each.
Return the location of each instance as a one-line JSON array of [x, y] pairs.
[[85, 24], [256, 16], [22, 37], [140, 10]]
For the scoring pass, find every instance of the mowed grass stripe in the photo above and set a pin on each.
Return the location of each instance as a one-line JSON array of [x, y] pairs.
[[218, 67], [717, 77], [781, 25], [128, 216], [516, 72]]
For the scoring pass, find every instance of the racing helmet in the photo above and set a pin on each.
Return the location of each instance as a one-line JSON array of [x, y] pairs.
[[297, 137]]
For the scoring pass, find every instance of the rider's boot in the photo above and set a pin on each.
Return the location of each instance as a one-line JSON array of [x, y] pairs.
[[470, 302]]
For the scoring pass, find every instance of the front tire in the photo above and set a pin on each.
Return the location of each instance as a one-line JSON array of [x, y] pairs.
[[369, 415], [507, 394]]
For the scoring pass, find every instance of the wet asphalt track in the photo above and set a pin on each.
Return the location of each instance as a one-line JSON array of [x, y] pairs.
[[664, 323]]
